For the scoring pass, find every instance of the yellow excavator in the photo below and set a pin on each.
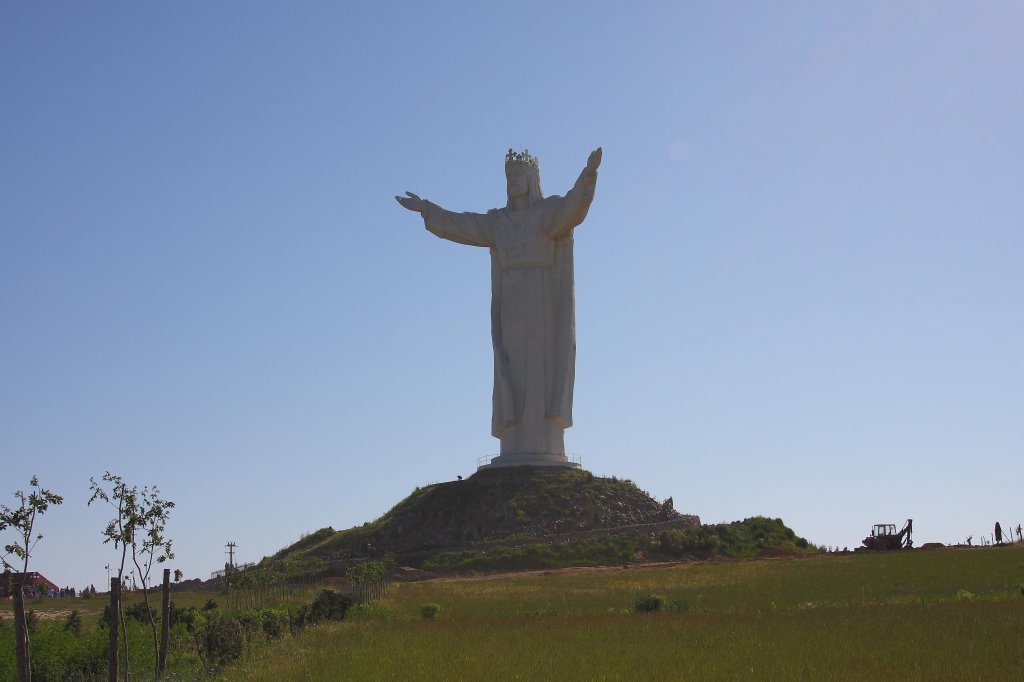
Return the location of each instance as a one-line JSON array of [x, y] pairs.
[[884, 536]]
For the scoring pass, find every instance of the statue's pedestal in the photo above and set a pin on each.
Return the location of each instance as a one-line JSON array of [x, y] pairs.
[[530, 460]]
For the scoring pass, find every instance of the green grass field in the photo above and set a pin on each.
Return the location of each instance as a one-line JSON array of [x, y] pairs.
[[62, 652], [53, 609], [949, 614], [56, 651], [952, 614], [50, 608]]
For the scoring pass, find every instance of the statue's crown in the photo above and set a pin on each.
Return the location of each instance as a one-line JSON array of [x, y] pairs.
[[522, 158]]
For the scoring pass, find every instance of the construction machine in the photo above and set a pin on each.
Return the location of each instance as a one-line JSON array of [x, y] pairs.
[[884, 536]]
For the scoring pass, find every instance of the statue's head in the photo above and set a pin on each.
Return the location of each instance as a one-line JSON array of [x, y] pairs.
[[522, 173]]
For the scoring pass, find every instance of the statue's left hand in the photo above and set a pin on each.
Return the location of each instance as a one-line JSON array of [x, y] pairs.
[[411, 202], [593, 161]]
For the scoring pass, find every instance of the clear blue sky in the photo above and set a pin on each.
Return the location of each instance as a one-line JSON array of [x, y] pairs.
[[798, 290]]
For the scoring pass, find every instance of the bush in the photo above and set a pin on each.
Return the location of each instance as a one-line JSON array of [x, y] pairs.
[[275, 623], [649, 603], [329, 605], [220, 640], [753, 536], [73, 623], [679, 605], [58, 654], [189, 617], [140, 612], [965, 595], [371, 609], [430, 610], [105, 617], [702, 540]]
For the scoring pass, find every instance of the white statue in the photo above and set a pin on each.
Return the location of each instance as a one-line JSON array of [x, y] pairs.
[[533, 308]]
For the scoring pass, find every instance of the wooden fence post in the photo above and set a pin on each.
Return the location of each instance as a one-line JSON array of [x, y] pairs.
[[21, 634], [165, 623], [113, 652]]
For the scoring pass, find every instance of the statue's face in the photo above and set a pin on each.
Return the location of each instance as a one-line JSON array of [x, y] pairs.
[[518, 183]]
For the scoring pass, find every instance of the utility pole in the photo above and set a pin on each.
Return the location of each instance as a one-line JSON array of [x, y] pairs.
[[229, 567]]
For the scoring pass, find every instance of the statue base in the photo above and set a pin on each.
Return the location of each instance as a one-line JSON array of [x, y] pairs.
[[529, 460]]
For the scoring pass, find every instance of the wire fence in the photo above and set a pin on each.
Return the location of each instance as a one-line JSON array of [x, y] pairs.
[[571, 458], [366, 592], [244, 590], [370, 579]]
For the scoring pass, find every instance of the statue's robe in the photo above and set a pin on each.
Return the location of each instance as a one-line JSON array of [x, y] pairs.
[[533, 311]]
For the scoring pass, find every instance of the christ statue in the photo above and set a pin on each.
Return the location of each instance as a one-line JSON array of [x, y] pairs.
[[533, 307]]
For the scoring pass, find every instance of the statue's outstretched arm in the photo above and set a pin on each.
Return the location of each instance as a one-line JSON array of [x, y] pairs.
[[472, 229], [576, 203]]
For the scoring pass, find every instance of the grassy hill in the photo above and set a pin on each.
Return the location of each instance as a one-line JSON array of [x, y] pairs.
[[536, 518]]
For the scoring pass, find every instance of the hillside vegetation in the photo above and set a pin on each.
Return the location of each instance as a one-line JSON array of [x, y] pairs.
[[946, 614], [535, 518]]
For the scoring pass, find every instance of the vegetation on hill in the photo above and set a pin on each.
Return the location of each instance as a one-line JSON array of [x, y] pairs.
[[751, 537], [493, 507], [536, 518], [747, 538]]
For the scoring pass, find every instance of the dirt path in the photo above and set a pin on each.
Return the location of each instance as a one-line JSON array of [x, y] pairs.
[[621, 568]]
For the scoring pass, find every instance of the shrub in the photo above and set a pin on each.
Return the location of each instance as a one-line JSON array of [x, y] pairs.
[[750, 537], [698, 540], [679, 605], [430, 610], [271, 623], [329, 605], [275, 623], [105, 617], [964, 595], [220, 640], [369, 610], [140, 612], [73, 623], [189, 617], [649, 603]]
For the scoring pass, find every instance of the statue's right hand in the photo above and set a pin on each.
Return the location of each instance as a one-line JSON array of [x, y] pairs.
[[411, 202]]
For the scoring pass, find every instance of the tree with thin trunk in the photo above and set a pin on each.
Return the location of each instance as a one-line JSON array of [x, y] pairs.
[[22, 519], [139, 531]]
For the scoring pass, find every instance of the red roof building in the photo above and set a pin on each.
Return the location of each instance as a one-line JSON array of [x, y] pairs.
[[35, 582]]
